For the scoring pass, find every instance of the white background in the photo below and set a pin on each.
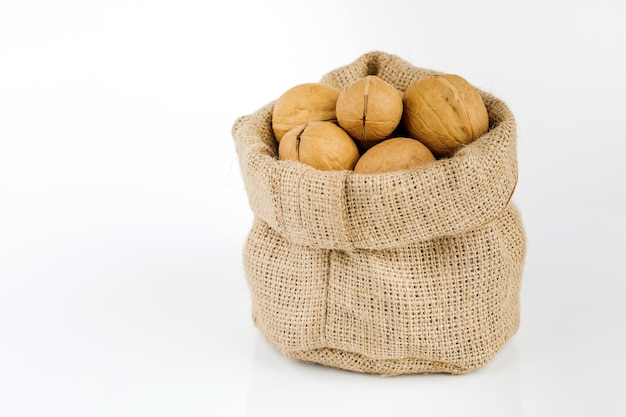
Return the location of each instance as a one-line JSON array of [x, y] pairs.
[[123, 213]]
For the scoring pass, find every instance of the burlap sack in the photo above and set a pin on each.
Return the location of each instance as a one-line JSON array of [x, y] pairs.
[[405, 272]]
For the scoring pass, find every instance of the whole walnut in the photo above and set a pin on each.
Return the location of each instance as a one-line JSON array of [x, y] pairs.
[[322, 145], [444, 112], [393, 155], [301, 104], [369, 108]]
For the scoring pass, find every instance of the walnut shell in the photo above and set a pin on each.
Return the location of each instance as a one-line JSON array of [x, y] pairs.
[[322, 145], [301, 104], [369, 108], [393, 155], [444, 112]]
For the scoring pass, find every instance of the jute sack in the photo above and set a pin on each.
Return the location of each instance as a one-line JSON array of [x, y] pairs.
[[413, 271]]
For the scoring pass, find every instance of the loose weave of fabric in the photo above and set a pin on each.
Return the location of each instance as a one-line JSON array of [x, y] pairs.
[[414, 271]]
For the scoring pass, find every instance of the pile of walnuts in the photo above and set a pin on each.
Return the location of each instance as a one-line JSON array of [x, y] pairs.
[[372, 127]]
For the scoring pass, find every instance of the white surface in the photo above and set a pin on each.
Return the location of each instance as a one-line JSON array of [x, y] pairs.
[[123, 214]]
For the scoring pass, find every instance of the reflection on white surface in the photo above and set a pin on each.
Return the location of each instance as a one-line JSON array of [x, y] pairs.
[[285, 387]]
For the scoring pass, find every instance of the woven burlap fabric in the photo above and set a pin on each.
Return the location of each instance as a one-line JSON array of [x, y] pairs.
[[405, 272]]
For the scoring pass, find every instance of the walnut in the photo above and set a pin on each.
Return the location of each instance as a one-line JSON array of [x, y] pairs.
[[322, 145], [393, 155], [301, 104], [444, 112], [369, 108]]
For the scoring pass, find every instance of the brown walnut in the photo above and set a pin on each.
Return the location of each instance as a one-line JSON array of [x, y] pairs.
[[322, 145], [444, 112], [301, 104], [369, 108], [394, 154]]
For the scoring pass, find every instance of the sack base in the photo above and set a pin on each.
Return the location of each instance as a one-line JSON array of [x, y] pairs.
[[350, 361]]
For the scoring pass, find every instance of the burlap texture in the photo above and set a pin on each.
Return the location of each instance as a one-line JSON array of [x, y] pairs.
[[414, 271]]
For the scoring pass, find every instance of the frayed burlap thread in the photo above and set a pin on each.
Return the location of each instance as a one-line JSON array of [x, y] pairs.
[[413, 271]]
